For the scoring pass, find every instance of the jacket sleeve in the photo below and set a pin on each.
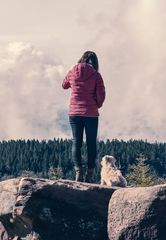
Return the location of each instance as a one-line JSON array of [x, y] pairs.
[[100, 91], [66, 81]]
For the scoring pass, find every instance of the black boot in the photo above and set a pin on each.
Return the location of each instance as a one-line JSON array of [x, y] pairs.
[[90, 176], [79, 174]]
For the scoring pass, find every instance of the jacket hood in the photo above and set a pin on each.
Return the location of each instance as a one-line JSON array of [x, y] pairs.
[[84, 71]]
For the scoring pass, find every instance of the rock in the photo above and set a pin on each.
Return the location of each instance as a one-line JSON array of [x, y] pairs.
[[138, 214], [3, 233], [8, 195], [16, 238], [41, 209]]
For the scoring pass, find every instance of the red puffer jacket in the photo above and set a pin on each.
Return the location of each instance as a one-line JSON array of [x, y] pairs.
[[88, 91]]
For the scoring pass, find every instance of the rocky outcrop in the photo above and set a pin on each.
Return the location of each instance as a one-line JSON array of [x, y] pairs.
[[3, 233], [138, 214], [43, 209]]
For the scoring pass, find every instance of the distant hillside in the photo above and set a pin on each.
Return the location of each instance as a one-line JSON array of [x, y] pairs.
[[53, 157]]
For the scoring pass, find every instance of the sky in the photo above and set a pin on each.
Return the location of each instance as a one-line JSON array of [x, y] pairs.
[[41, 40]]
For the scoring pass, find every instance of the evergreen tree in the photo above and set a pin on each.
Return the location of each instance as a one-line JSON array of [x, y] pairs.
[[141, 173], [55, 173], [17, 156]]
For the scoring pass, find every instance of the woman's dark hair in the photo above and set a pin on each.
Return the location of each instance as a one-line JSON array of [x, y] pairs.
[[91, 58]]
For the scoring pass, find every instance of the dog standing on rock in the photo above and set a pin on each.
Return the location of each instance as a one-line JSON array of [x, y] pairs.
[[110, 175]]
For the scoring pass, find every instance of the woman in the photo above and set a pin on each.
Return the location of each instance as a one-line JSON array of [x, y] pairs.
[[87, 96]]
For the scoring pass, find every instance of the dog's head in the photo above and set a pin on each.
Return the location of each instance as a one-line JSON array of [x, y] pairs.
[[108, 160]]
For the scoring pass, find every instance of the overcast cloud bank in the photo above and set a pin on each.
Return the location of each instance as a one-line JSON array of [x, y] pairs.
[[130, 40]]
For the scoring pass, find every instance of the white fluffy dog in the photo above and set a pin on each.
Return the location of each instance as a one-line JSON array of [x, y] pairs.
[[110, 175]]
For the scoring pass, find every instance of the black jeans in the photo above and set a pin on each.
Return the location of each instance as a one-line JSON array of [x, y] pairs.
[[78, 124]]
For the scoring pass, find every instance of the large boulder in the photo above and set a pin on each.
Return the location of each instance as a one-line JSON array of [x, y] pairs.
[[8, 195], [138, 214], [32, 208], [3, 233]]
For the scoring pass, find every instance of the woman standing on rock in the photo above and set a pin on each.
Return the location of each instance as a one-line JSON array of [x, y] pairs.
[[87, 96]]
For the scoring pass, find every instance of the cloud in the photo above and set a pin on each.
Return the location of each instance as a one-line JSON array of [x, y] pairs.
[[31, 96], [130, 41], [131, 46]]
